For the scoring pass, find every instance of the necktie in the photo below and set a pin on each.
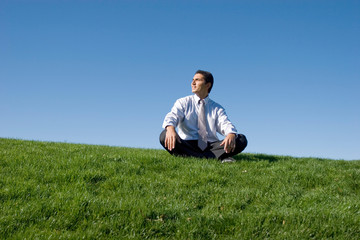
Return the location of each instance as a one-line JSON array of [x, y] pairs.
[[202, 142]]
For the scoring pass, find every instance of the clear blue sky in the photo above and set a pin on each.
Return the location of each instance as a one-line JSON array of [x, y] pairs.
[[107, 72]]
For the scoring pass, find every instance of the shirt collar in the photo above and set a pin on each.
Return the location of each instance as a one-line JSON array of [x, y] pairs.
[[197, 99]]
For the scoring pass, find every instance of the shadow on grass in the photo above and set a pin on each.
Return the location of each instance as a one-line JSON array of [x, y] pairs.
[[256, 157], [250, 157]]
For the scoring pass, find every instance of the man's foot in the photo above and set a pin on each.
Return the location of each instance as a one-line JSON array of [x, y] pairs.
[[227, 160]]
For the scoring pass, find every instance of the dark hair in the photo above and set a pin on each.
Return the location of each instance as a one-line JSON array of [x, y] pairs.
[[208, 77]]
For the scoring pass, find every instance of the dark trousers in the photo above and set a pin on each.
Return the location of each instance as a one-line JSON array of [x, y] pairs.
[[189, 148]]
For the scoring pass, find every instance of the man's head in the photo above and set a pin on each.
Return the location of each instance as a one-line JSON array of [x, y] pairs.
[[208, 78], [200, 86], [202, 83]]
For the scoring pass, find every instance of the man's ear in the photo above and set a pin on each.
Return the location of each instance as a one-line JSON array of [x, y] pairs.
[[208, 85]]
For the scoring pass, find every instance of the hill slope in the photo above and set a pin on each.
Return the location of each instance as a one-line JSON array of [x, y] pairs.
[[60, 190]]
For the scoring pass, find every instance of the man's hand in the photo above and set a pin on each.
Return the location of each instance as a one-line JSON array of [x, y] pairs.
[[171, 138], [229, 143]]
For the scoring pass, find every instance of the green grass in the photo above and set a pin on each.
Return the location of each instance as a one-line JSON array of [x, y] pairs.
[[74, 191]]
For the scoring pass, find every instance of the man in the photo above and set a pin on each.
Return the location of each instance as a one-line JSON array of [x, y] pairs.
[[198, 119]]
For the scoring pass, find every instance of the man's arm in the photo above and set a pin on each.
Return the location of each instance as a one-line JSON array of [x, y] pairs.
[[171, 137], [227, 129], [171, 120]]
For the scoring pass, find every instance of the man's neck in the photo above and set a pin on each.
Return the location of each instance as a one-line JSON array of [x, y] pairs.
[[202, 96]]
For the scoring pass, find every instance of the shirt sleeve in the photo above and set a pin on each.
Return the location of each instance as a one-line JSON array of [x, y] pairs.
[[223, 125], [175, 115]]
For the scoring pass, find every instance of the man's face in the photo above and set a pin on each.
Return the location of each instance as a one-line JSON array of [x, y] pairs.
[[199, 86]]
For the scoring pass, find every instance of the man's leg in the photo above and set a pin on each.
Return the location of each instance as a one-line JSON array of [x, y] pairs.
[[187, 148], [219, 152]]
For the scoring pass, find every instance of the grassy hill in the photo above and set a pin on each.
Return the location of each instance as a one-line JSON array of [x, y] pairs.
[[74, 191]]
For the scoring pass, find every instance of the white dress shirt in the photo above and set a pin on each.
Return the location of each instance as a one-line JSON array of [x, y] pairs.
[[184, 116]]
